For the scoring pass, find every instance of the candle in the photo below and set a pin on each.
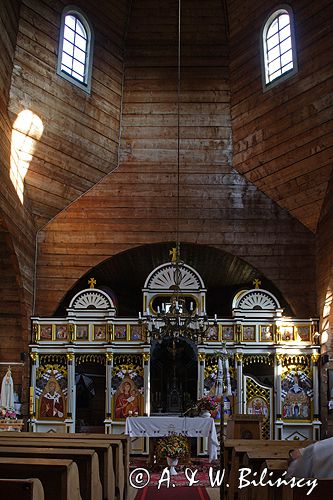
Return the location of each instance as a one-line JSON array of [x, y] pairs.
[[191, 306], [139, 314], [158, 309], [215, 317]]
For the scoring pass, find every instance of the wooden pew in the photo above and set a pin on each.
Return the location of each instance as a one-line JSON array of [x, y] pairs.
[[103, 450], [120, 454], [60, 478], [86, 460], [322, 491], [21, 489], [235, 451]]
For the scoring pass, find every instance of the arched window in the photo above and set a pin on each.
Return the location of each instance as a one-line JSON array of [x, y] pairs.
[[278, 46], [75, 48]]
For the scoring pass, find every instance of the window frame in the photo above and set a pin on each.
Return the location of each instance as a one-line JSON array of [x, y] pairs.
[[77, 12], [281, 9]]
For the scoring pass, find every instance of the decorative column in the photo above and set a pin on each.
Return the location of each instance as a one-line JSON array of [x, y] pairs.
[[32, 399], [71, 393], [239, 361], [201, 373], [108, 392], [146, 381], [316, 423], [277, 390]]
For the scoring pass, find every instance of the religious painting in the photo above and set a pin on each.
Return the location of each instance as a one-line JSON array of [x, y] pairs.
[[99, 332], [249, 333], [46, 332], [212, 333], [257, 406], [51, 392], [82, 332], [61, 332], [228, 333], [127, 389], [120, 332], [296, 395], [304, 332], [287, 333], [136, 332], [266, 333]]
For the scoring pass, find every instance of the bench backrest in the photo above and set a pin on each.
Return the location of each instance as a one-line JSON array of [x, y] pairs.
[[21, 489], [60, 478]]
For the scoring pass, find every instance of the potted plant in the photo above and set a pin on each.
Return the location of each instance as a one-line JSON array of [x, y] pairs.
[[172, 448], [206, 405]]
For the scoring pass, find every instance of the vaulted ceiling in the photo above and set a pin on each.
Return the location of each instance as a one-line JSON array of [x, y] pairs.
[[281, 139]]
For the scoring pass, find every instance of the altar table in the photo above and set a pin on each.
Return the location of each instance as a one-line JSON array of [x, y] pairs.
[[164, 426]]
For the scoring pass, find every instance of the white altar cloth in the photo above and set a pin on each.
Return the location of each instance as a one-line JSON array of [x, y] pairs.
[[163, 426]]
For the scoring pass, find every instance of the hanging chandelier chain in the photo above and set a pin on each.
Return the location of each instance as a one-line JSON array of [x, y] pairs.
[[178, 130]]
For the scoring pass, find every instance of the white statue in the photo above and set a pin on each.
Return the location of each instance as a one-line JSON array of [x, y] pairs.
[[7, 391]]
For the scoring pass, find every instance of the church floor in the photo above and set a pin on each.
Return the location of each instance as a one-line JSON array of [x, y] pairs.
[[177, 487]]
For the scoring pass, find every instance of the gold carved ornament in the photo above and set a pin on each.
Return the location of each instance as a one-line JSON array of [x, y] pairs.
[[34, 356], [92, 282]]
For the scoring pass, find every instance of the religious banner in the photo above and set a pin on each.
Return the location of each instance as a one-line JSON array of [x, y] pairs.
[[210, 382], [127, 391], [296, 393], [51, 392]]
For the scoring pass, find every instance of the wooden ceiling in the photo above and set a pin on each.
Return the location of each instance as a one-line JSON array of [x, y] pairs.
[[282, 139]]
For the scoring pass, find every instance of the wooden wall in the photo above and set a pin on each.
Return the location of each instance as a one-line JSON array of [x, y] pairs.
[[283, 137], [135, 204], [325, 296], [17, 231], [79, 143]]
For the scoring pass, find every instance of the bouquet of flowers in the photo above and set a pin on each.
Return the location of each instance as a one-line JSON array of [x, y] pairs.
[[172, 446], [207, 403], [7, 414]]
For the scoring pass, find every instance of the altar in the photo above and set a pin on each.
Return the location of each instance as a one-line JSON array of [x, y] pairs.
[[164, 426]]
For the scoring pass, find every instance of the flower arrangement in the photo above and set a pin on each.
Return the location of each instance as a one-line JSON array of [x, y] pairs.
[[207, 403], [7, 414], [173, 446]]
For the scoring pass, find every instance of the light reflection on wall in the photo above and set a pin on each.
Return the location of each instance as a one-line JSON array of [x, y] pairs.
[[327, 312], [27, 130]]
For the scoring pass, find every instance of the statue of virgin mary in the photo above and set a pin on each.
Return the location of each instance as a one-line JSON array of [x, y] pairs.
[[7, 391]]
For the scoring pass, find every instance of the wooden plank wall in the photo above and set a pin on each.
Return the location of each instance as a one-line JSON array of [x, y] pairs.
[[283, 137], [17, 232], [79, 143], [135, 204], [324, 239]]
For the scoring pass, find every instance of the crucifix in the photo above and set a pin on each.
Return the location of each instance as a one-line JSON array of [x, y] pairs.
[[92, 282]]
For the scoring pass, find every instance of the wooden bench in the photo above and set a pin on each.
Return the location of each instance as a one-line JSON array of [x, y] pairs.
[[120, 455], [86, 460], [60, 478], [323, 491], [235, 451], [21, 489], [103, 450]]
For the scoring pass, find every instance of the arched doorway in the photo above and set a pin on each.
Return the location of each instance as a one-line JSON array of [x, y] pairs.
[[173, 376]]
